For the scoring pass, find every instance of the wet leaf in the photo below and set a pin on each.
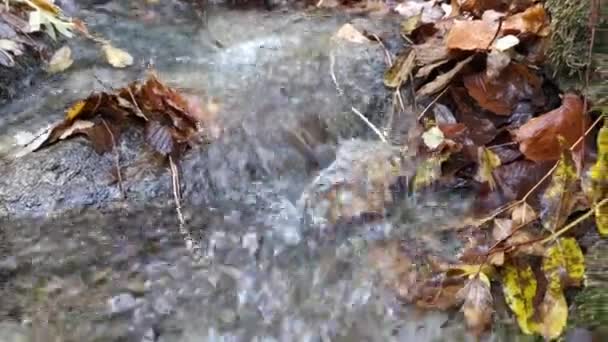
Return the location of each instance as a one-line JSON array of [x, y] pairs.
[[598, 175], [400, 70], [519, 287], [61, 60], [478, 302], [558, 199], [349, 33], [487, 161], [433, 138], [533, 20], [564, 262], [501, 94], [553, 312], [118, 58], [442, 80], [538, 137], [471, 35]]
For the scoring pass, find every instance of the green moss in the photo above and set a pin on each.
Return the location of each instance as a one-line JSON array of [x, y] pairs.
[[591, 308], [570, 37]]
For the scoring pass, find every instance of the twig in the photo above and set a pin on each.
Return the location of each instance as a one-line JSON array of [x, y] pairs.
[[191, 245], [135, 103], [332, 62], [371, 125], [432, 103], [575, 222], [116, 158]]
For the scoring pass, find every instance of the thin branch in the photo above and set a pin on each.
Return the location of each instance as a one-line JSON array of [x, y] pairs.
[[575, 222], [371, 125], [432, 103], [116, 159]]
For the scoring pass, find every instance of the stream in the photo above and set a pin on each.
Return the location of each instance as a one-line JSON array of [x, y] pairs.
[[80, 263]]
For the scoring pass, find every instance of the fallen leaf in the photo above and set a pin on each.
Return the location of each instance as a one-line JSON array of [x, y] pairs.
[[427, 69], [478, 7], [74, 111], [496, 62], [538, 137], [116, 57], [429, 171], [78, 126], [517, 178], [349, 33], [487, 161], [433, 138], [400, 70], [478, 302], [410, 24], [505, 43], [159, 137], [502, 229], [523, 214], [51, 19], [558, 199], [564, 262], [500, 95], [533, 20], [553, 312], [61, 60], [442, 80], [471, 35], [431, 51], [519, 287], [524, 243]]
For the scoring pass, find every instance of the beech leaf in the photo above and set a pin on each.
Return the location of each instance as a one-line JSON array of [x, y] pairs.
[[478, 302], [118, 58], [487, 161], [61, 60], [558, 199], [553, 313], [519, 287], [564, 260], [598, 175], [349, 33], [433, 138], [400, 70], [442, 80], [471, 35]]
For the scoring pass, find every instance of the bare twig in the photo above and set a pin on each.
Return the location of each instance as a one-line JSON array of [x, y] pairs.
[[191, 245], [332, 62], [432, 103], [371, 125], [136, 105], [116, 158], [578, 220]]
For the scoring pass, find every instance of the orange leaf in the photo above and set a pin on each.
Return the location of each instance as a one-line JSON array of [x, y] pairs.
[[471, 35], [538, 137], [534, 20]]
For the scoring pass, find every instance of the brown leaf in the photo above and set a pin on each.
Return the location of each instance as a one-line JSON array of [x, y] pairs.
[[502, 229], [517, 178], [431, 51], [538, 137], [477, 7], [523, 214], [471, 35], [533, 20], [478, 303], [501, 94], [400, 70], [558, 200], [442, 80]]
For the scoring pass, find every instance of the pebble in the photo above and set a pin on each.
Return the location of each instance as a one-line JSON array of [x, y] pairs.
[[121, 303]]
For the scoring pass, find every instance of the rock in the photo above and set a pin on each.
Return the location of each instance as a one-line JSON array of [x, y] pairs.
[[13, 332], [121, 303]]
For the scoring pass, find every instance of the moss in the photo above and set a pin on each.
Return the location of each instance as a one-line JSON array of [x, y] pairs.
[[591, 308], [569, 50]]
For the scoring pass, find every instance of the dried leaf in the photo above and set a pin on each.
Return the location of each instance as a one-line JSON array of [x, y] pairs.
[[538, 137], [478, 302], [429, 171], [116, 57], [523, 214], [433, 138], [524, 243], [496, 62], [471, 35], [564, 262], [533, 20], [427, 69], [400, 70], [505, 43], [74, 111], [598, 175], [61, 60], [502, 229], [77, 126], [159, 138], [477, 7], [487, 161], [500, 95], [558, 199], [349, 33], [51, 18], [442, 80], [519, 287], [553, 312], [431, 51], [410, 24]]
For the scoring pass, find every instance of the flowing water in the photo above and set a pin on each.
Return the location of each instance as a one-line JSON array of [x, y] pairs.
[[80, 263]]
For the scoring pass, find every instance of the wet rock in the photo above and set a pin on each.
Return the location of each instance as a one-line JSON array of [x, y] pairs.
[[121, 303]]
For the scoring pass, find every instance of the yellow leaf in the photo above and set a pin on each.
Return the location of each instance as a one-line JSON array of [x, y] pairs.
[[519, 287], [411, 23], [61, 60], [45, 5], [599, 180], [116, 57], [75, 110], [478, 302], [565, 258], [558, 200], [400, 70], [429, 171], [553, 313], [487, 161], [349, 33]]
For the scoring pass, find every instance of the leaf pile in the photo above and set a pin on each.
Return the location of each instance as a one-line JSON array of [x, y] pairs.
[[497, 124], [170, 121]]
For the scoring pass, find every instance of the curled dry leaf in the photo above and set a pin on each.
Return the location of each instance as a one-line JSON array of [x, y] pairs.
[[519, 287], [400, 70], [349, 33], [61, 60], [533, 20], [501, 94], [538, 138], [478, 302], [564, 263], [471, 35], [116, 57], [442, 80], [558, 199]]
